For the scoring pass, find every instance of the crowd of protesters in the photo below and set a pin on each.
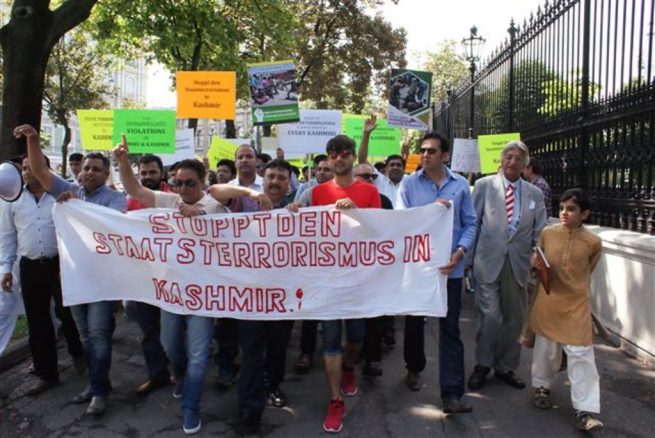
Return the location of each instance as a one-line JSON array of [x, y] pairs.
[[497, 225]]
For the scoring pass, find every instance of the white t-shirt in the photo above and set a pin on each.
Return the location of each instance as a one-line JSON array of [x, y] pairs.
[[386, 187], [172, 200]]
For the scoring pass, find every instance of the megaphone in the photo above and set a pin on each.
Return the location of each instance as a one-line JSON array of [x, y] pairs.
[[11, 181]]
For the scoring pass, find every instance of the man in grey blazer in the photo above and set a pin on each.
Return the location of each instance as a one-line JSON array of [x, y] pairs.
[[510, 216]]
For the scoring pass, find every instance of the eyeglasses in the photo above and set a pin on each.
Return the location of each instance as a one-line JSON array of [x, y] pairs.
[[344, 153], [190, 183], [372, 176], [430, 151]]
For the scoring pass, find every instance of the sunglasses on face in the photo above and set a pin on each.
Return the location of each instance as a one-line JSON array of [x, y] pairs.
[[372, 176], [430, 151], [345, 153], [189, 183]]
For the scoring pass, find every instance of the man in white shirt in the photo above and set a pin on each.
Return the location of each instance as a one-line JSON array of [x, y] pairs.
[[245, 159], [190, 362], [28, 233]]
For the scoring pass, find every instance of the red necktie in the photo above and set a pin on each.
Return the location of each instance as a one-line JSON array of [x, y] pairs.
[[509, 202]]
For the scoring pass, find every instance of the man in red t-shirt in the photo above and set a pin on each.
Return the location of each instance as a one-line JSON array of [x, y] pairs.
[[345, 192]]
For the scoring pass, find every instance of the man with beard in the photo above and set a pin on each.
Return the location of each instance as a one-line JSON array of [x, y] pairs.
[[261, 374], [95, 321], [27, 232], [186, 338], [345, 192], [389, 182], [151, 171]]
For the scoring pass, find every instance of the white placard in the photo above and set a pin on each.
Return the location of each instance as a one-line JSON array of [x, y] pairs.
[[465, 156], [184, 147], [311, 134]]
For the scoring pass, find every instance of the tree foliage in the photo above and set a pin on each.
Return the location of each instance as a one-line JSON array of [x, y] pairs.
[[449, 69], [77, 77]]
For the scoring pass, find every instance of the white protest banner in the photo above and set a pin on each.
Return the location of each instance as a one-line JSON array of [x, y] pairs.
[[466, 156], [320, 263], [184, 147], [311, 134]]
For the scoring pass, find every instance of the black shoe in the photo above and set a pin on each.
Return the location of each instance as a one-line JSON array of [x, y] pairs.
[[478, 378], [151, 385], [244, 425], [276, 397], [413, 381], [371, 369], [41, 385], [455, 405], [226, 377], [511, 379]]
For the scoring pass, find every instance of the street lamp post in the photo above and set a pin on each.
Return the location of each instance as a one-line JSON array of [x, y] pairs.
[[472, 48]]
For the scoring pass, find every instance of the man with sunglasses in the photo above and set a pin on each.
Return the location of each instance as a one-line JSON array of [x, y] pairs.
[[147, 316], [189, 362], [436, 183], [345, 192]]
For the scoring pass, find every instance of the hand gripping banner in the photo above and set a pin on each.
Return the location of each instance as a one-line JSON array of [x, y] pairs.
[[320, 263]]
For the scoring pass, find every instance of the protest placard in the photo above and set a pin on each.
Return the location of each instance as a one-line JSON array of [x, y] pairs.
[[412, 163], [223, 148], [184, 147], [466, 156], [206, 94], [312, 133], [409, 99], [147, 131], [384, 140], [273, 92], [320, 263], [490, 148], [96, 129]]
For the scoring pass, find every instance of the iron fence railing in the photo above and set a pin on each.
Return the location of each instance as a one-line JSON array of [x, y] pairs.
[[576, 80]]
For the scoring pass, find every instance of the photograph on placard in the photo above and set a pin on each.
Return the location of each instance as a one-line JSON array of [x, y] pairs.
[[273, 92]]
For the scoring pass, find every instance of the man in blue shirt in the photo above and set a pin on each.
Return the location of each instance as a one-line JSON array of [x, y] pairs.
[[436, 183], [95, 321]]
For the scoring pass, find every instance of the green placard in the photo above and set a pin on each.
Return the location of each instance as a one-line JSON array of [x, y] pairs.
[[384, 140], [147, 131], [273, 92], [490, 148]]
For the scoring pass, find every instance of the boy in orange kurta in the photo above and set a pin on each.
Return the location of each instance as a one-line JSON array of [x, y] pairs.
[[561, 318]]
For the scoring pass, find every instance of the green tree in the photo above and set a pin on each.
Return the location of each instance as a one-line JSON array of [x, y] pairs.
[[27, 40], [76, 78], [449, 69]]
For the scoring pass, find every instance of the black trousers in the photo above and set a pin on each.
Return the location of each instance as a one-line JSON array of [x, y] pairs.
[[372, 346], [40, 285]]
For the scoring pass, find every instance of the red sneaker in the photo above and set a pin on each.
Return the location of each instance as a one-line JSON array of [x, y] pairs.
[[333, 420], [348, 383]]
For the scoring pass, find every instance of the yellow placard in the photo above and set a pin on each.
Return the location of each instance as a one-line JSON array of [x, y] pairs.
[[206, 94], [413, 161], [490, 148], [96, 129], [221, 148]]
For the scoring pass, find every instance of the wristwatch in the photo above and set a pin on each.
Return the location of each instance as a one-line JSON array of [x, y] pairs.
[[462, 250]]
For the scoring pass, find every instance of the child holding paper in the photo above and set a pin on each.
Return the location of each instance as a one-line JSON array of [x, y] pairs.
[[561, 319]]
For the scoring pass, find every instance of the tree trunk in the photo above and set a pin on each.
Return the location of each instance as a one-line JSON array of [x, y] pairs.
[[230, 129], [64, 148], [26, 41]]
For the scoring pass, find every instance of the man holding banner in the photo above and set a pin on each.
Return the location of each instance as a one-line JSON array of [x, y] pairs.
[[436, 183], [345, 192], [95, 321], [186, 338]]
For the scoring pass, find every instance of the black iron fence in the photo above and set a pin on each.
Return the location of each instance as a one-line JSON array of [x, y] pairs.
[[576, 80]]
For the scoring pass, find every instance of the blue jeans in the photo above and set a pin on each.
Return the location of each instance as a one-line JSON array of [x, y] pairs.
[[451, 348], [332, 334], [148, 319], [95, 323], [186, 339]]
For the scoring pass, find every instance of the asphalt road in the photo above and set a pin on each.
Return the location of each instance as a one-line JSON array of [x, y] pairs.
[[383, 408]]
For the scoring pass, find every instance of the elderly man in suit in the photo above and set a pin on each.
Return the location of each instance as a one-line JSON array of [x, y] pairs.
[[510, 216]]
